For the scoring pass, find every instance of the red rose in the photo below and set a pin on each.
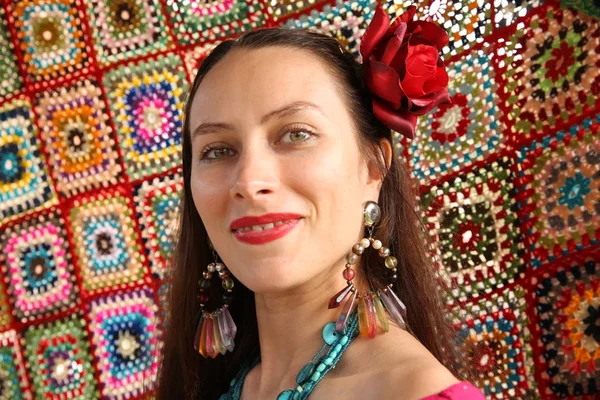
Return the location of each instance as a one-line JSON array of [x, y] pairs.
[[402, 68]]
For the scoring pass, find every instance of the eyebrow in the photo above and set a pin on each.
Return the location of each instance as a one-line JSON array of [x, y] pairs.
[[289, 109]]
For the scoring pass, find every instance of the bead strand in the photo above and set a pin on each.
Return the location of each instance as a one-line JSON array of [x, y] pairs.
[[329, 361], [338, 349], [216, 330], [311, 373], [347, 295]]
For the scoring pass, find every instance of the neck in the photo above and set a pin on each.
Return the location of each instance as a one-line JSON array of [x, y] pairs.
[[290, 326]]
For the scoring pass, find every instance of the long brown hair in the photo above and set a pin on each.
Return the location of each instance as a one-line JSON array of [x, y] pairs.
[[186, 374]]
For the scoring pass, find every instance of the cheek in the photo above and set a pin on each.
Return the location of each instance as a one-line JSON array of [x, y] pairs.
[[209, 181], [329, 179], [338, 170], [329, 183], [209, 198], [313, 176]]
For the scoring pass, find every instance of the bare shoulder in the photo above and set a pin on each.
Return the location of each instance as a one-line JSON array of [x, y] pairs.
[[392, 366], [413, 371], [416, 380]]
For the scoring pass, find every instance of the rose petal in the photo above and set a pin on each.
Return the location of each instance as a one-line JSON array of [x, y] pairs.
[[421, 65], [439, 81], [384, 82], [419, 57], [393, 45], [406, 17], [418, 39], [401, 121], [430, 31], [398, 63], [375, 32], [424, 105]]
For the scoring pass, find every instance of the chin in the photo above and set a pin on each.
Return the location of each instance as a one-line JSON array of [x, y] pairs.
[[266, 277]]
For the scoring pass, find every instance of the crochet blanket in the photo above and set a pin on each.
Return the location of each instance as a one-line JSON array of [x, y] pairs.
[[91, 96]]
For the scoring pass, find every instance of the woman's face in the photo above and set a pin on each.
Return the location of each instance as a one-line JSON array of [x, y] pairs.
[[271, 135]]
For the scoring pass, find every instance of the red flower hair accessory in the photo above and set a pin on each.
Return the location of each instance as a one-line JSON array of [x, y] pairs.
[[403, 69]]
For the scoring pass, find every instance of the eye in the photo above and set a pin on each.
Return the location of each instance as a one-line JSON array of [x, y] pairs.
[[215, 152], [297, 135], [219, 151]]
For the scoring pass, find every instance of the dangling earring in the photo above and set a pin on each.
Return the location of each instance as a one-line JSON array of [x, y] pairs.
[[216, 330], [370, 304]]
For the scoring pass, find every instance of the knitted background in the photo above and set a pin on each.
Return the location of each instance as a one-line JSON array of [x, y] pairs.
[[91, 96]]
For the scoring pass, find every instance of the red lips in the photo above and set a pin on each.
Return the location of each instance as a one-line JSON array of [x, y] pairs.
[[262, 219], [256, 237]]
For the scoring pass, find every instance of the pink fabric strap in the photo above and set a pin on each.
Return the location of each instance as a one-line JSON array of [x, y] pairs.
[[460, 390]]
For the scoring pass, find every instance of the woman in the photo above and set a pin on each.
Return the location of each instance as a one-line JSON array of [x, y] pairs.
[[298, 225]]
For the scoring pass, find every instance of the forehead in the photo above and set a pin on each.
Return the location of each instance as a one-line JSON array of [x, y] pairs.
[[250, 83]]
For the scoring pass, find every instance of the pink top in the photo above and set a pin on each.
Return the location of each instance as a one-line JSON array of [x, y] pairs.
[[458, 391]]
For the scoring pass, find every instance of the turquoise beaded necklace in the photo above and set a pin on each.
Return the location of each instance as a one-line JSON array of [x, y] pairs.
[[312, 373]]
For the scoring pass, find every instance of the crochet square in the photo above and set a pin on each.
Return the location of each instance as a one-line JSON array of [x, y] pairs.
[[493, 338], [10, 79], [147, 107], [508, 11], [106, 242], [472, 219], [127, 28], [199, 21], [5, 312], [468, 130], [51, 37], [280, 9], [465, 21], [561, 191], [12, 368], [588, 7], [125, 335], [37, 267], [79, 143], [194, 57], [396, 8], [565, 302], [157, 204], [345, 21], [24, 183], [551, 71], [59, 362], [162, 301]]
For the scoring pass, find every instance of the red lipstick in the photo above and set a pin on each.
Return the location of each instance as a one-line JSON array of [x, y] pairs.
[[285, 223]]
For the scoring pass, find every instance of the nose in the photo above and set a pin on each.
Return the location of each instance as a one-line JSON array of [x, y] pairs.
[[256, 175]]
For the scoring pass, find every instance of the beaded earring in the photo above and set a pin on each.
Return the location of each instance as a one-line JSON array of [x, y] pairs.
[[216, 330], [370, 304]]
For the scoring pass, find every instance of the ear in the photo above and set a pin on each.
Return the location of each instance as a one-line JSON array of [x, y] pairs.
[[388, 152], [385, 152]]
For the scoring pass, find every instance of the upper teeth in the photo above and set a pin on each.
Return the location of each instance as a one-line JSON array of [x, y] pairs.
[[260, 227]]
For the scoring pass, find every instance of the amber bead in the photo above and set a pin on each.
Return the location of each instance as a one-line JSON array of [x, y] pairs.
[[227, 284], [391, 262]]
